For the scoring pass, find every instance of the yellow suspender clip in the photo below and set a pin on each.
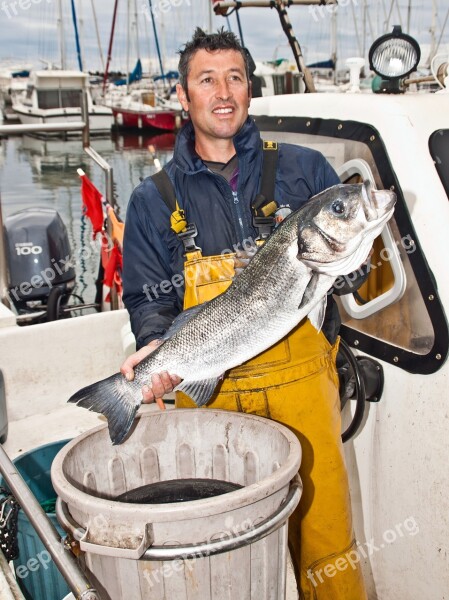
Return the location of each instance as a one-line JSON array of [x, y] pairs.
[[178, 221]]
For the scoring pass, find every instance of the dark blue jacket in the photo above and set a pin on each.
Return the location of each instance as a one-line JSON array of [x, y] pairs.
[[153, 254]]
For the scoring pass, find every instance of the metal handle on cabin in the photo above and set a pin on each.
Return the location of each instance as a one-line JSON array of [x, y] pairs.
[[210, 548]]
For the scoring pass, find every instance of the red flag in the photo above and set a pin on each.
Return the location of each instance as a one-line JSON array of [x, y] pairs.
[[93, 206], [112, 271]]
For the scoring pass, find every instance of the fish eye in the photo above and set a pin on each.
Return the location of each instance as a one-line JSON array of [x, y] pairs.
[[338, 207]]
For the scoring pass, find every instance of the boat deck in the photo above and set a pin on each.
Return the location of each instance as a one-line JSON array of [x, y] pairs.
[[42, 366]]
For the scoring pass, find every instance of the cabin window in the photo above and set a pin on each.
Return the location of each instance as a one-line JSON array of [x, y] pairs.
[[47, 99], [59, 99], [439, 150], [397, 314], [70, 98]]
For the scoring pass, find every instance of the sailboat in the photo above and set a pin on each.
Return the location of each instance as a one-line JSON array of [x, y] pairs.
[[145, 105]]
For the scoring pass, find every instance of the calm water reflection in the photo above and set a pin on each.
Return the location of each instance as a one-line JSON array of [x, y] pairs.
[[42, 173]]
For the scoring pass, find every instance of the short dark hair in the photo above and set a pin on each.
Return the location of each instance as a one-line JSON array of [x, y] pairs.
[[222, 40]]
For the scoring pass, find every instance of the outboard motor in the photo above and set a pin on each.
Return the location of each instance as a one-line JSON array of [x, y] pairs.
[[41, 275]]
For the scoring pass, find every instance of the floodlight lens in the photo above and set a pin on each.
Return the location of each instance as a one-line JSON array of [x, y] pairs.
[[394, 55]]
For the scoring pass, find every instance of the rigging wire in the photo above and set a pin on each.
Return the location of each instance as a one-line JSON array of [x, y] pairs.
[[442, 31], [356, 29], [399, 14], [370, 24], [390, 12]]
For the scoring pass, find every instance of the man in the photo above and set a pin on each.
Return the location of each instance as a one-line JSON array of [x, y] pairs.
[[216, 173]]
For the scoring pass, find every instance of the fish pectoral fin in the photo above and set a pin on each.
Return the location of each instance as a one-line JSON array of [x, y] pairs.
[[181, 320], [316, 315], [200, 391], [309, 291]]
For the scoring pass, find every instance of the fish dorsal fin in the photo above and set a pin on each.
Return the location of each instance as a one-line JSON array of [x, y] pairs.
[[199, 391], [316, 315], [181, 320]]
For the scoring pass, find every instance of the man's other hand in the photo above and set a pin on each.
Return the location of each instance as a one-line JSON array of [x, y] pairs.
[[160, 384]]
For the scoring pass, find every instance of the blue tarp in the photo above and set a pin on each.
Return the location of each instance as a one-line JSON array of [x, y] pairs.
[[136, 75], [21, 74], [324, 64], [169, 75]]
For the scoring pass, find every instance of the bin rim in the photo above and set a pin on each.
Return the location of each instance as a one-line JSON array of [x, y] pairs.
[[247, 495]]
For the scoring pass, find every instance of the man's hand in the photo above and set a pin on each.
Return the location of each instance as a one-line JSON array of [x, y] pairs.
[[161, 383]]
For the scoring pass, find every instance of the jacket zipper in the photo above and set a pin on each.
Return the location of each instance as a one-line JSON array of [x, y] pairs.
[[239, 212]]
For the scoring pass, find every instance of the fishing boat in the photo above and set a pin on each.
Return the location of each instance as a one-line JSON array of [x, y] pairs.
[[55, 96], [394, 401]]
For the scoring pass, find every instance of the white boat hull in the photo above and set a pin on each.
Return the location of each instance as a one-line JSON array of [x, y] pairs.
[[99, 121]]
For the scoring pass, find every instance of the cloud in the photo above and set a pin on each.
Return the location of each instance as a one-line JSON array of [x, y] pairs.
[[33, 33]]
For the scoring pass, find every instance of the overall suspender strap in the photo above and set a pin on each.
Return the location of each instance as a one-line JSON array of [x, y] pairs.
[[178, 222], [264, 205]]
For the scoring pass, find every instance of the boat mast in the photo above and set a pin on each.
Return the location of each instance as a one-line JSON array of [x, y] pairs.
[[111, 40], [209, 4], [98, 34], [356, 30], [443, 27], [61, 35], [409, 14], [365, 8], [136, 21], [334, 26], [77, 39], [128, 41], [433, 32], [156, 39]]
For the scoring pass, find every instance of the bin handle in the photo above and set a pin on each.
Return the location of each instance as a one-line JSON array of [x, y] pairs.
[[162, 553], [79, 534]]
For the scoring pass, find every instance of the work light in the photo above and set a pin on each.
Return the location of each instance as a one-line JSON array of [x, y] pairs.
[[395, 55]]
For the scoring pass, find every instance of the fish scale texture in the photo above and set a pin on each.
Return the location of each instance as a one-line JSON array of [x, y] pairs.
[[257, 311]]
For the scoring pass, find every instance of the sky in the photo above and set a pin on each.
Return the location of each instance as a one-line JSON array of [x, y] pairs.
[[30, 32]]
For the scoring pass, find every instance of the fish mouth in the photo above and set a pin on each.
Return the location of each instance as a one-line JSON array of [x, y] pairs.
[[376, 203]]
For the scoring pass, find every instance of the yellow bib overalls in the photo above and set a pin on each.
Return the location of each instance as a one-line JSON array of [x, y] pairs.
[[295, 382]]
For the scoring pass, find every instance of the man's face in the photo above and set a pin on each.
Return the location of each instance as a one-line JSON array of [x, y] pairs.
[[218, 94]]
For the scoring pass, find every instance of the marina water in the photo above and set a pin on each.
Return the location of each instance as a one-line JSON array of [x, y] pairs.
[[42, 172]]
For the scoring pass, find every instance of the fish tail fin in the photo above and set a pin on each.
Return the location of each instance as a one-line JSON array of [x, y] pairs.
[[110, 398]]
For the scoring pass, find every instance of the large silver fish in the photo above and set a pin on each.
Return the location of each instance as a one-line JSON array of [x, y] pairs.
[[288, 279]]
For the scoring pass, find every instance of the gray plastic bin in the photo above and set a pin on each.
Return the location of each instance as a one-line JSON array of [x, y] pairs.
[[229, 546]]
